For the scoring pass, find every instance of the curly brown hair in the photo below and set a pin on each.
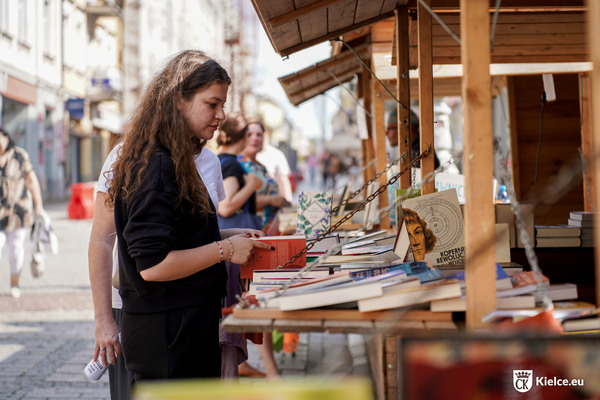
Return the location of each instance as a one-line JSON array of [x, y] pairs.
[[411, 217], [157, 123]]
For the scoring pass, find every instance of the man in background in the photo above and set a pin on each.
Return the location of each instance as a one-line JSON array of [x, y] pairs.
[[277, 166]]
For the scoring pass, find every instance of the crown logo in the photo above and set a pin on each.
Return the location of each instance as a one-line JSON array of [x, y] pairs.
[[522, 374]]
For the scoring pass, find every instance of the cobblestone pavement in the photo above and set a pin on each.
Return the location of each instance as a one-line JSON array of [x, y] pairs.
[[46, 336]]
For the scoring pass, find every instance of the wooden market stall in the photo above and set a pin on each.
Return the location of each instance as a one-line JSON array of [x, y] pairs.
[[466, 48]]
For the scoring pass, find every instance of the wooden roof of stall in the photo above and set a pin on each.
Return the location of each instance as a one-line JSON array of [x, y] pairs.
[[529, 32], [293, 25], [319, 78]]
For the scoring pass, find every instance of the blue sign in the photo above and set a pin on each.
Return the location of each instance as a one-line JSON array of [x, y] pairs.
[[75, 107]]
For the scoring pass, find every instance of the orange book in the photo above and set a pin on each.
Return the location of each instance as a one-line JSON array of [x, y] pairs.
[[286, 247]]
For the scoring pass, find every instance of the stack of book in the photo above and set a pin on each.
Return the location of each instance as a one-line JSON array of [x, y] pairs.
[[583, 220], [557, 236]]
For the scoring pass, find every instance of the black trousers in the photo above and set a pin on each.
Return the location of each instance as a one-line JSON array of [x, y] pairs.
[[174, 344], [119, 378]]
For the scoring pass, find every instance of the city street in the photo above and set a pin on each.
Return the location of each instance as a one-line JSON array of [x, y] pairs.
[[47, 335]]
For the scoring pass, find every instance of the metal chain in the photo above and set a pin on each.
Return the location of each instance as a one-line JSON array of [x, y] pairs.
[[358, 191], [361, 206]]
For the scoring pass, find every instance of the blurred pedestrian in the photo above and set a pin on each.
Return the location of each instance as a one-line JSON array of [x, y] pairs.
[[171, 253], [269, 199], [20, 204], [237, 210], [277, 165]]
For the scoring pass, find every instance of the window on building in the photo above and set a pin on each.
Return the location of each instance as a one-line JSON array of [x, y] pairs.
[[23, 22], [50, 29], [4, 16]]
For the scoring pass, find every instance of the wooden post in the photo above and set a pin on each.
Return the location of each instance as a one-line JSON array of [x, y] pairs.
[[380, 145], [478, 161], [367, 144], [593, 34], [426, 95], [403, 93], [587, 142]]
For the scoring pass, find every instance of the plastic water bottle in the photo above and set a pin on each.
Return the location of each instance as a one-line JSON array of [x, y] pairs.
[[502, 196]]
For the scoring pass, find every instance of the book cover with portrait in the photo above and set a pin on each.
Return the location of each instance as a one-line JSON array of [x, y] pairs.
[[436, 228]]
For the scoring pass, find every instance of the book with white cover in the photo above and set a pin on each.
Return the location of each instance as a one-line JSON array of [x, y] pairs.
[[439, 225], [460, 303], [412, 296]]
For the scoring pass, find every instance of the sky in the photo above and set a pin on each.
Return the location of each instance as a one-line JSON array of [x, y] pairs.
[[272, 66]]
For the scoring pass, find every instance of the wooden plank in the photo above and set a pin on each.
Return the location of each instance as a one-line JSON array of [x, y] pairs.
[[382, 31], [313, 25], [368, 151], [478, 163], [302, 10], [375, 353], [340, 326], [403, 93], [380, 145], [587, 141], [341, 15], [522, 40], [335, 314], [287, 50], [231, 323], [594, 34], [426, 97], [290, 325], [523, 18], [367, 9], [283, 36]]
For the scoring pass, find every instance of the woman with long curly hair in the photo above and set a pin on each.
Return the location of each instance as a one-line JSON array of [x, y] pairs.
[[422, 239], [171, 252]]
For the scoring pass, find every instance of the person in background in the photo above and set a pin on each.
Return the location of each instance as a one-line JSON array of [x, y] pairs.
[[237, 210], [268, 197], [20, 204], [172, 277], [277, 166], [103, 266], [269, 200]]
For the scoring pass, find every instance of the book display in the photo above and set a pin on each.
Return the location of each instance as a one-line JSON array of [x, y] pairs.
[[506, 154]]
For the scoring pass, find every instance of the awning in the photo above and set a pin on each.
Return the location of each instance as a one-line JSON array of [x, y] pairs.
[[319, 78], [291, 28]]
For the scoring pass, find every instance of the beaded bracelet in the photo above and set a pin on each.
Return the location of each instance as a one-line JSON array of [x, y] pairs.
[[220, 251], [231, 246]]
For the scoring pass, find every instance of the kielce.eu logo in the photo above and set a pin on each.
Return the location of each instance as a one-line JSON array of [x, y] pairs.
[[522, 379]]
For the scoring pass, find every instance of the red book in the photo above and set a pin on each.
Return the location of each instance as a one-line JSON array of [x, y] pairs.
[[285, 248]]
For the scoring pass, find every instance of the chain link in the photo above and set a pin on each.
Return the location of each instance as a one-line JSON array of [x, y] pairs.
[[358, 191]]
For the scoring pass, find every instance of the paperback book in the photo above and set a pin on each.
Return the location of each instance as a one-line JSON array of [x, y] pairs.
[[314, 213], [435, 227]]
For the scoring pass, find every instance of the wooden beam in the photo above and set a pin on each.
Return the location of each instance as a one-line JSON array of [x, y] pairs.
[[367, 144], [303, 45], [297, 13], [426, 96], [380, 146], [478, 162], [594, 33], [403, 93], [587, 141]]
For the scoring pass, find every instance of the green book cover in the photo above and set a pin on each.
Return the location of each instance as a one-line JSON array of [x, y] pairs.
[[314, 213]]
